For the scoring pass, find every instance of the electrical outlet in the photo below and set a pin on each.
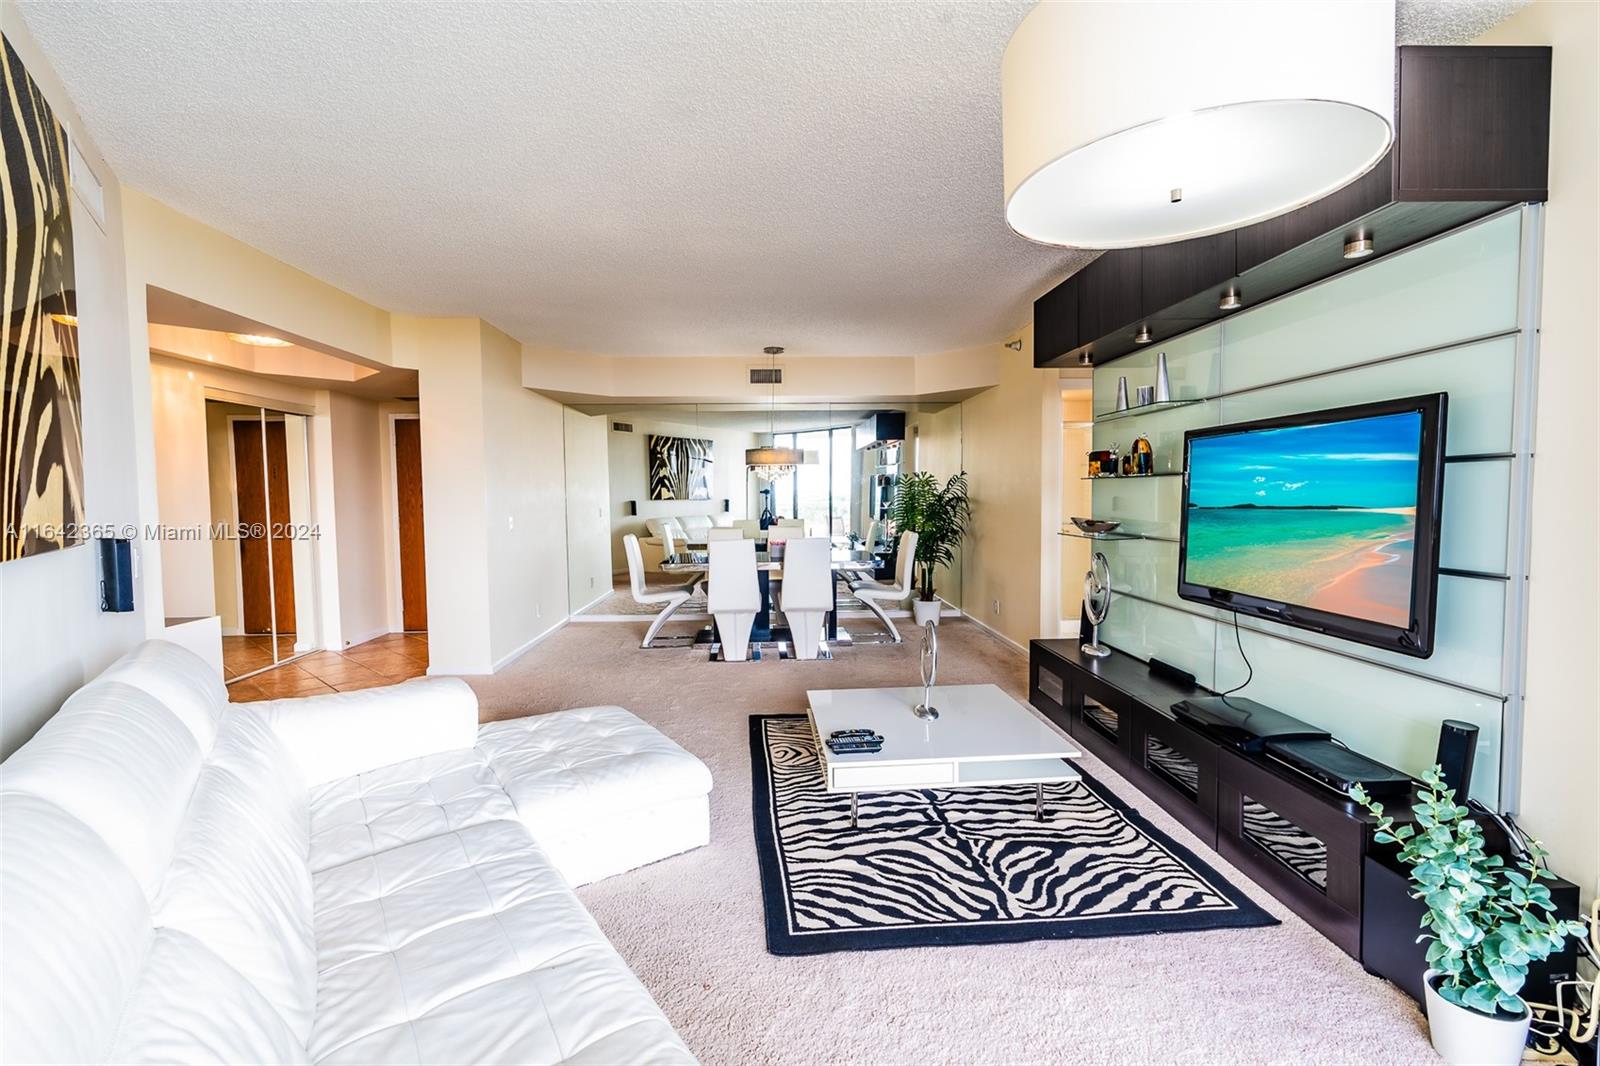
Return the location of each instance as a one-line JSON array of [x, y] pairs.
[[511, 521], [997, 607], [538, 610]]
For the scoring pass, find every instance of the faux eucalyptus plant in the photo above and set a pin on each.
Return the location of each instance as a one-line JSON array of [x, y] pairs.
[[1488, 921], [939, 515]]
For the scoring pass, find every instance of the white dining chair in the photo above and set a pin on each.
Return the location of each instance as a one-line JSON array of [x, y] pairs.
[[797, 525], [672, 544], [748, 527], [875, 594], [724, 533], [874, 534], [807, 592], [671, 596], [733, 597]]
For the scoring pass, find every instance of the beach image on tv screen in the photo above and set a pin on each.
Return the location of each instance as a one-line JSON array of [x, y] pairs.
[[1317, 516]]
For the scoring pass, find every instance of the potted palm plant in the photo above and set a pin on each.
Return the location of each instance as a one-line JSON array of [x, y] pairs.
[[939, 515], [1487, 920]]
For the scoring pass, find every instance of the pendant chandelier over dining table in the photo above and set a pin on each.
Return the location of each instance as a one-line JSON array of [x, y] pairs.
[[770, 462], [1130, 124]]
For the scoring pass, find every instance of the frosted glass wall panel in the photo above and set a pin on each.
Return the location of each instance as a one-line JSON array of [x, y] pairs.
[[1477, 498], [1388, 716], [1150, 506], [1147, 630], [1467, 646], [1164, 429], [1478, 378], [1453, 289], [1191, 369], [1147, 568]]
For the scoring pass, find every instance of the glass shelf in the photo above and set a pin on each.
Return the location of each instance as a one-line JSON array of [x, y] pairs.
[[1115, 534], [1144, 409], [1132, 477]]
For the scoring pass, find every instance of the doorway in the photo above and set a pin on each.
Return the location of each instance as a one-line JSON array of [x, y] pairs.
[[408, 506]]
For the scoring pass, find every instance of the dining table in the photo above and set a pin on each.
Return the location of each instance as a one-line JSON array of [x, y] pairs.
[[845, 558]]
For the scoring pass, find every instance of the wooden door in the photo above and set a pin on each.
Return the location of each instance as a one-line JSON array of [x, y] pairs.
[[408, 495], [266, 562]]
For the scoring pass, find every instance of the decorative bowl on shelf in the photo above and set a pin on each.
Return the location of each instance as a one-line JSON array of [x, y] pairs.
[[1095, 525]]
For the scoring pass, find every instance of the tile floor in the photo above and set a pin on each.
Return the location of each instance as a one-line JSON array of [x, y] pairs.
[[384, 661], [251, 652]]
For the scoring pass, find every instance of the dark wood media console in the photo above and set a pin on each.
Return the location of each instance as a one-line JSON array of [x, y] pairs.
[[1306, 844], [1297, 838]]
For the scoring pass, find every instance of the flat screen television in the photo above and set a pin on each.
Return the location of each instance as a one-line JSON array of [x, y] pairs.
[[1328, 521]]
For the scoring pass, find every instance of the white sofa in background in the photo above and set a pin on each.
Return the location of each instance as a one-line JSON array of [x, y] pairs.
[[689, 528], [360, 877]]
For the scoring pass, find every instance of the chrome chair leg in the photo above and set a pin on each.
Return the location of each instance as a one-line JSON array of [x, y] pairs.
[[661, 620]]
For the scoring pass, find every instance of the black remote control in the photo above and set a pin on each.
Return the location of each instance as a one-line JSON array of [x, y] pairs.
[[846, 747]]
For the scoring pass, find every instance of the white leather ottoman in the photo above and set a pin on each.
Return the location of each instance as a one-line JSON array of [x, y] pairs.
[[601, 791]]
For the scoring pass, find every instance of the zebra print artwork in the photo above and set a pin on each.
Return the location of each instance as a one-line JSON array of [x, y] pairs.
[[964, 865], [680, 468], [41, 421]]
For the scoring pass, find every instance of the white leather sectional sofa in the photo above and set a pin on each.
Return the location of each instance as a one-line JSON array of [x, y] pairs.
[[362, 877]]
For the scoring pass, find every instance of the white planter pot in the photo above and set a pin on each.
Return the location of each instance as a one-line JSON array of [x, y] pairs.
[[925, 611], [1464, 1037]]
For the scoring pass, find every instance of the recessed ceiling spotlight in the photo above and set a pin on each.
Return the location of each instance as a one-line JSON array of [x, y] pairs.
[[259, 340], [1241, 113], [1359, 246], [63, 320], [1143, 336], [1231, 300]]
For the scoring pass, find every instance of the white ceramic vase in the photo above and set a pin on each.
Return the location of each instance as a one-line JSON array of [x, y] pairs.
[[925, 611], [1464, 1037]]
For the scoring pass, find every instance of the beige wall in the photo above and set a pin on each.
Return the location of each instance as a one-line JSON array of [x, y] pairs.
[[587, 465], [183, 488], [526, 507], [575, 378], [1561, 722], [494, 486], [630, 478], [360, 517], [1011, 443]]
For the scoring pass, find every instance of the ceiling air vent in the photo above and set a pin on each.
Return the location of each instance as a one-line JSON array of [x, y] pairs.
[[765, 375], [622, 427]]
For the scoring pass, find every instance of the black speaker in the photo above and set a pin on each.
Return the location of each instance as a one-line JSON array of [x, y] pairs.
[[116, 575], [630, 507], [727, 505], [1458, 743]]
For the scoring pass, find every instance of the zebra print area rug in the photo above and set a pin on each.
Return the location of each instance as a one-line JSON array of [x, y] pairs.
[[965, 865]]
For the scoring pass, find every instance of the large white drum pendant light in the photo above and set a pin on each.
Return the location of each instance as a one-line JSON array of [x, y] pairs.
[[1131, 123]]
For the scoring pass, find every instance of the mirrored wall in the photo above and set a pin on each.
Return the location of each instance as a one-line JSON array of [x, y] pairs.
[[855, 456], [263, 570]]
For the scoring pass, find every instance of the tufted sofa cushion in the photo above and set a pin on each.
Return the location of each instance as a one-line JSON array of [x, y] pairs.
[[420, 943], [395, 805], [600, 790]]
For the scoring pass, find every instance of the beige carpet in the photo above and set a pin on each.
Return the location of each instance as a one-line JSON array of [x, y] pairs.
[[691, 927]]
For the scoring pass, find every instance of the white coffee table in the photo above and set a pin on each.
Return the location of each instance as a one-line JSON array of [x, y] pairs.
[[981, 737]]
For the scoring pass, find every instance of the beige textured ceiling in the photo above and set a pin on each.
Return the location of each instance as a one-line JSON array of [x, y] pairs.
[[629, 178]]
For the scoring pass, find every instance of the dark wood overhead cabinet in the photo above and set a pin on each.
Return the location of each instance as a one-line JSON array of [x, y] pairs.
[[1472, 135]]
